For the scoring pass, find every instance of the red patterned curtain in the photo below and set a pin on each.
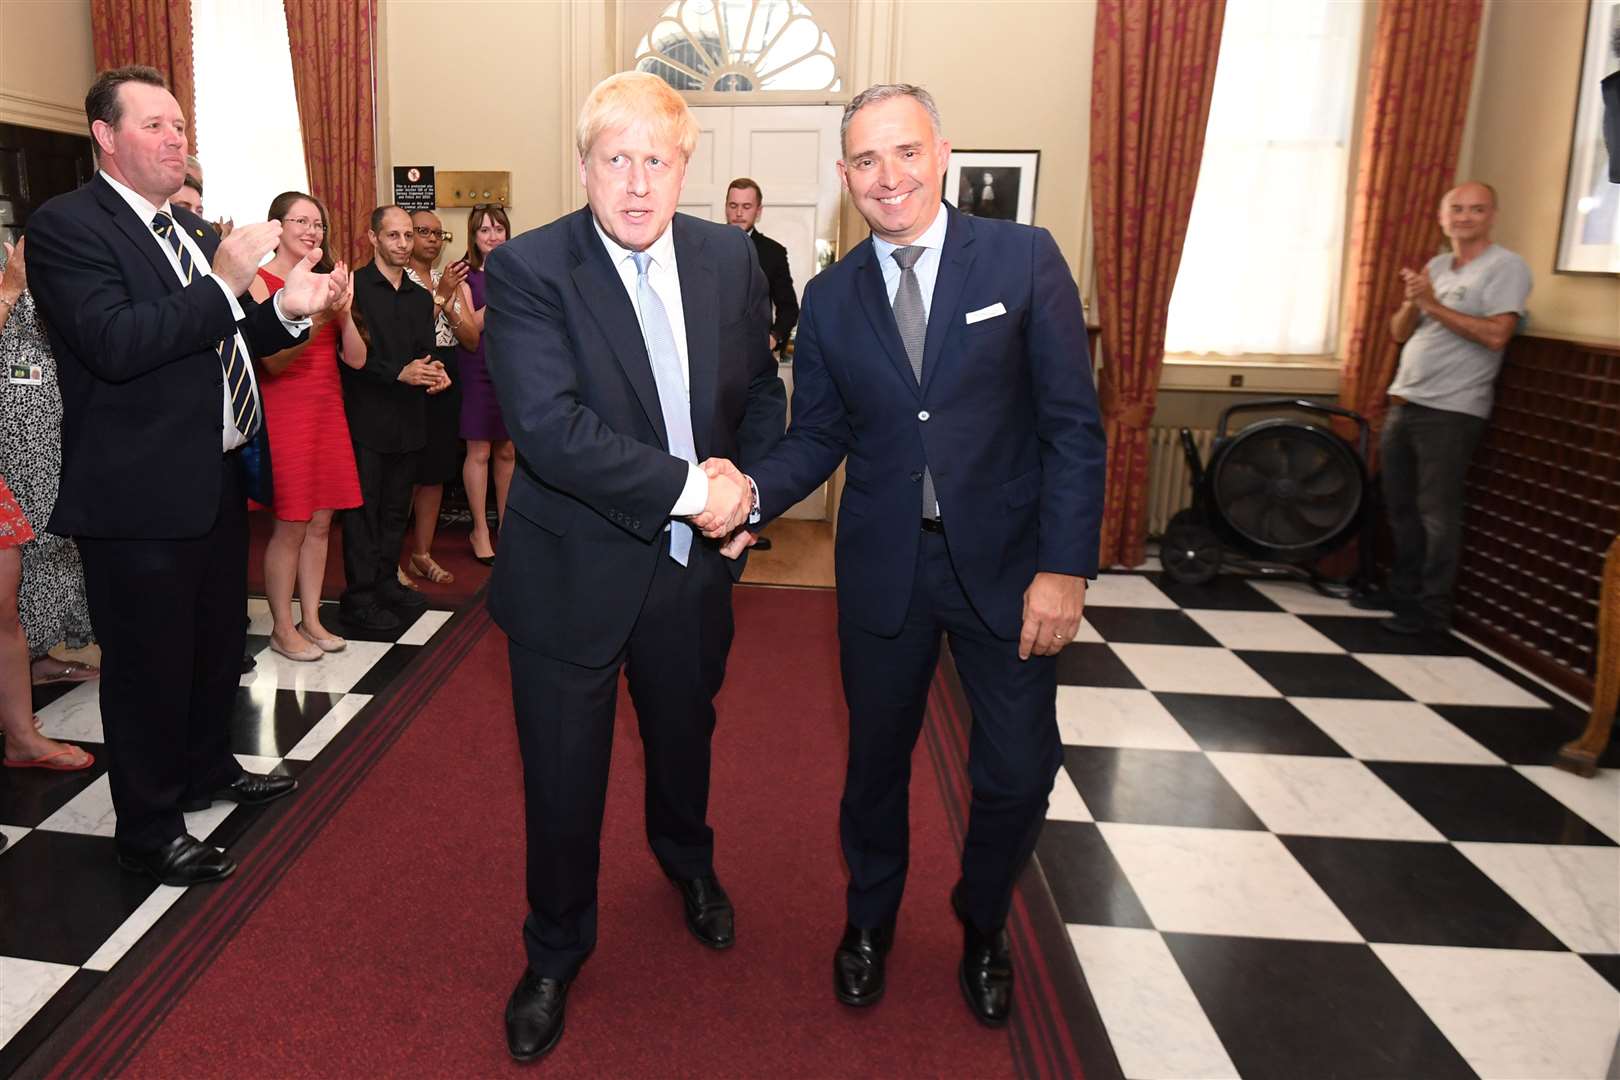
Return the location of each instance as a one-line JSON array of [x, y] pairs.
[[331, 42], [152, 32], [1417, 103], [1152, 79]]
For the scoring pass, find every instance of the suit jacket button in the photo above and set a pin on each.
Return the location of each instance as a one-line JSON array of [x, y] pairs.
[[923, 416], [916, 476], [636, 524]]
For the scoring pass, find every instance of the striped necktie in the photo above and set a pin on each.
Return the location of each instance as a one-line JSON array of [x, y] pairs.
[[244, 406], [673, 398]]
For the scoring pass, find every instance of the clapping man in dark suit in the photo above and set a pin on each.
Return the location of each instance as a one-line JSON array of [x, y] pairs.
[[626, 343], [153, 329], [946, 356]]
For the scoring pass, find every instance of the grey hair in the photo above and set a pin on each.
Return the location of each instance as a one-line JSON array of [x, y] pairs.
[[883, 92]]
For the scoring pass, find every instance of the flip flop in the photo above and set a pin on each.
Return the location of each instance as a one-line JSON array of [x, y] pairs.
[[45, 762], [72, 671]]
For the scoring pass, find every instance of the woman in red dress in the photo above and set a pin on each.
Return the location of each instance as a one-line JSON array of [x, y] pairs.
[[311, 458]]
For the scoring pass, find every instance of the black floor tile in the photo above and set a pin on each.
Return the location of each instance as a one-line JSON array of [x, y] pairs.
[[1524, 736], [65, 895], [1248, 725], [1487, 803], [387, 669], [1607, 965], [1417, 894], [50, 1015], [1227, 592], [1156, 787], [1355, 634], [1293, 1009], [44, 695], [1088, 663], [29, 796], [1147, 626], [1320, 675], [1086, 881], [269, 722]]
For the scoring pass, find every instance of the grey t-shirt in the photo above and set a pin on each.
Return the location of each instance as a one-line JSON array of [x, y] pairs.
[[1444, 370]]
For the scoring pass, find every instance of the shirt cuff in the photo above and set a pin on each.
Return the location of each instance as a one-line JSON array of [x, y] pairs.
[[694, 496], [236, 307], [292, 326], [753, 511]]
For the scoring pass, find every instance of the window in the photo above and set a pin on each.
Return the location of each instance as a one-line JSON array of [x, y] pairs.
[[246, 126], [1260, 273], [739, 45]]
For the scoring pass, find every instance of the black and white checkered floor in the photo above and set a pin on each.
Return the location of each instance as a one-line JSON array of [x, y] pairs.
[[1290, 844], [67, 912]]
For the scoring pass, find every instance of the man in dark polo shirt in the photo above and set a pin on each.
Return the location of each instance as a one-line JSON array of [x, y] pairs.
[[384, 398]]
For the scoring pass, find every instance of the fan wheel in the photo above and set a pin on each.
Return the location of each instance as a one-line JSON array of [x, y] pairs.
[[1190, 552], [1287, 491]]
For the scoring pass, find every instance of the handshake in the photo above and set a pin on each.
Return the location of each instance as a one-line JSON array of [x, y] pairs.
[[731, 499]]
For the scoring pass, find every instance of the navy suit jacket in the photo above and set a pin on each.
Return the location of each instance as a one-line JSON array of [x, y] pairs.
[[1006, 419], [595, 479], [142, 385]]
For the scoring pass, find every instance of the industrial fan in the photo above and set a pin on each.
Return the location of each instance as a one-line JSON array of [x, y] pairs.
[[1278, 495]]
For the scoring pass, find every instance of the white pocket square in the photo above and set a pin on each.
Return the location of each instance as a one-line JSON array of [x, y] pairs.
[[986, 313]]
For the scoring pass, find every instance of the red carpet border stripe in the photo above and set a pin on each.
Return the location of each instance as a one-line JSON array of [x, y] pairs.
[[126, 1021]]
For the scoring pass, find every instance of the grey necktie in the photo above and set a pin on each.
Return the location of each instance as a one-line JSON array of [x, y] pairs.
[[912, 319], [673, 399]]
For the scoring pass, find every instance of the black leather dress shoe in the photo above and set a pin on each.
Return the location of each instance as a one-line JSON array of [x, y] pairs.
[[858, 964], [399, 598], [534, 1016], [986, 970], [762, 543], [249, 789], [185, 860], [372, 617], [709, 914]]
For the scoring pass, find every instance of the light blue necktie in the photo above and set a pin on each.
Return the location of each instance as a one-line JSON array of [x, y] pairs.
[[672, 396]]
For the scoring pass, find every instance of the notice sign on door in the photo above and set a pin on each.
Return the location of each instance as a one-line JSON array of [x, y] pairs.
[[413, 187]]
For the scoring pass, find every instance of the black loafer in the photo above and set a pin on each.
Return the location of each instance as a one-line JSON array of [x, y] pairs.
[[249, 789], [183, 861], [858, 964], [762, 543], [400, 598], [985, 973], [709, 914], [534, 1016], [378, 620], [1409, 625]]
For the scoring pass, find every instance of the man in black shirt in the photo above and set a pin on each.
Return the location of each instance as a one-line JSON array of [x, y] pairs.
[[743, 204], [384, 399]]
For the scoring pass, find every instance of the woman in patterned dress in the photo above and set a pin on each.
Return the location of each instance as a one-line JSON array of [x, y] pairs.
[[51, 601]]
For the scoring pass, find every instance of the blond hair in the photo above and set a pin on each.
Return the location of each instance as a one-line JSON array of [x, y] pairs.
[[635, 97]]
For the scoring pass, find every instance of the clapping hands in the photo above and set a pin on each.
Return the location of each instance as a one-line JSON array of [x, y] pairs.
[[1418, 288], [307, 293]]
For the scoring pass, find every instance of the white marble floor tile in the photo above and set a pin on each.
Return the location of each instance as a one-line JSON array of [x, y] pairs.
[[1224, 881], [1513, 1014], [1193, 669], [1394, 731], [1449, 680], [1087, 632], [328, 726], [1597, 798], [1156, 1025], [202, 823], [1295, 795], [332, 672], [26, 985], [76, 715], [1126, 590], [139, 922], [1110, 716], [14, 833], [1065, 803], [1572, 890], [426, 625], [1277, 631], [259, 622], [1301, 599], [90, 812], [254, 764]]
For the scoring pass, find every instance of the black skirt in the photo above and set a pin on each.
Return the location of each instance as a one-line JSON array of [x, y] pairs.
[[441, 456]]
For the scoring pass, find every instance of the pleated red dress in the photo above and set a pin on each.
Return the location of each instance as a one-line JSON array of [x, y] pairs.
[[311, 457]]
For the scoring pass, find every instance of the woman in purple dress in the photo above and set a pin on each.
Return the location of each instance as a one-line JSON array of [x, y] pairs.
[[481, 424]]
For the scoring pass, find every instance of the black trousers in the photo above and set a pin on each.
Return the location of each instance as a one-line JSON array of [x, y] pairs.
[[1014, 750], [674, 662], [169, 617], [374, 531], [1425, 455]]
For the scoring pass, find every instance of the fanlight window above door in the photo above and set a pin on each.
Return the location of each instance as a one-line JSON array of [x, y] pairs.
[[739, 46]]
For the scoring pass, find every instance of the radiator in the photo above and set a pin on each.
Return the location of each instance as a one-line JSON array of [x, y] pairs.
[[1169, 479]]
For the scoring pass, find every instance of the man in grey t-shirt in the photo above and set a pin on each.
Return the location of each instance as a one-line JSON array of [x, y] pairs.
[[1459, 313]]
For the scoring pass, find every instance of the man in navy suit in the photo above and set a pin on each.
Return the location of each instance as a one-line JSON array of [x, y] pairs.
[[626, 343], [946, 357], [153, 329]]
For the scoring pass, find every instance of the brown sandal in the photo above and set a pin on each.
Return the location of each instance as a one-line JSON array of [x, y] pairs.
[[423, 566]]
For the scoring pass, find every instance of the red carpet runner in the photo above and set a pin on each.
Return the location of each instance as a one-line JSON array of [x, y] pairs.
[[388, 947]]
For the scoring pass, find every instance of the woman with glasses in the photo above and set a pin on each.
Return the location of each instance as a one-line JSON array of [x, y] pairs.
[[481, 424], [311, 458]]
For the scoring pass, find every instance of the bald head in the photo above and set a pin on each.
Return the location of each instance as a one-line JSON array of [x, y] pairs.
[[1467, 213]]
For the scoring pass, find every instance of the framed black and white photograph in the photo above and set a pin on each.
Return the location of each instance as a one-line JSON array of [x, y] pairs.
[[1589, 236], [994, 183]]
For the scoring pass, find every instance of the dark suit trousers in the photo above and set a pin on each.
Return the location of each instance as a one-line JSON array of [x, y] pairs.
[[169, 617], [1013, 755], [675, 662], [374, 531]]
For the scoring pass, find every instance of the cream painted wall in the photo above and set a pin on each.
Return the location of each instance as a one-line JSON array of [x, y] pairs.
[[1526, 106], [47, 62]]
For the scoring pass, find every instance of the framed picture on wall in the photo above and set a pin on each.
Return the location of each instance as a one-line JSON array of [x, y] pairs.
[[995, 183], [1589, 236]]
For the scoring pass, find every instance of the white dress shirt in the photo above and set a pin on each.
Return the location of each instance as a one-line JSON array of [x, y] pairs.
[[146, 212], [926, 266], [664, 276]]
